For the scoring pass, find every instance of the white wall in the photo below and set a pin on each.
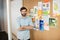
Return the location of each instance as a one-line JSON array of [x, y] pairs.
[[15, 7]]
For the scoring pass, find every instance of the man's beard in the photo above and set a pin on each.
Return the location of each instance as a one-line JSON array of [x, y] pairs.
[[23, 15]]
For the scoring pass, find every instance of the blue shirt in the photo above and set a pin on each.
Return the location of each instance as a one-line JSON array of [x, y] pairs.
[[26, 21]]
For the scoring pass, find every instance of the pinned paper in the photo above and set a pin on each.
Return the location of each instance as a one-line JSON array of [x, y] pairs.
[[41, 25], [46, 21], [40, 8], [31, 13], [46, 26], [40, 5], [39, 12], [46, 12], [46, 1], [52, 22], [56, 7], [46, 8], [37, 23], [35, 9]]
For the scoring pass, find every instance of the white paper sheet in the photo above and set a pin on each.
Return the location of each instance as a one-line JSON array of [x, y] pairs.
[[46, 8], [56, 7], [46, 21], [40, 5]]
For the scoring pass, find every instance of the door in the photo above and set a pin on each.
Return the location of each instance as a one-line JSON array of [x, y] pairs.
[[1, 15]]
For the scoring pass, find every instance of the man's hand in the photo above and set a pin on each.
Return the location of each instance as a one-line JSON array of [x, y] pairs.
[[25, 28], [28, 27], [21, 28]]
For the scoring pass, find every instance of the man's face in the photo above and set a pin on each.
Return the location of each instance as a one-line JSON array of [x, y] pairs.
[[23, 12]]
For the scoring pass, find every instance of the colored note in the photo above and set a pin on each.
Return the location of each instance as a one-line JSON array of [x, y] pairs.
[[39, 12], [45, 12], [46, 8], [31, 13], [46, 1], [52, 22], [40, 8], [41, 25], [56, 7], [37, 23], [46, 21], [40, 5], [35, 9]]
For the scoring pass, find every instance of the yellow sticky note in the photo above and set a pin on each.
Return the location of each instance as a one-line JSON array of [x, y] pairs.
[[37, 17], [58, 14], [39, 12]]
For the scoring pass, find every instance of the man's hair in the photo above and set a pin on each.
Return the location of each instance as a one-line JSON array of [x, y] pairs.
[[22, 8]]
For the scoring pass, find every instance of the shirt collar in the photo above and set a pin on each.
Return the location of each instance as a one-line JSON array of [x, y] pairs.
[[24, 17]]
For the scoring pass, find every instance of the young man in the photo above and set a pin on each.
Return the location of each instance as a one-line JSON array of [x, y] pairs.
[[25, 24]]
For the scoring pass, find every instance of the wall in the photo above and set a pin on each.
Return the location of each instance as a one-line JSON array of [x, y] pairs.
[[53, 33], [15, 7]]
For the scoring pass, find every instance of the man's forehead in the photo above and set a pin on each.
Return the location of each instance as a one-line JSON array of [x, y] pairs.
[[24, 10]]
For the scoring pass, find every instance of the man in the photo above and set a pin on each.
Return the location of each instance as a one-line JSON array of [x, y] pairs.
[[25, 24]]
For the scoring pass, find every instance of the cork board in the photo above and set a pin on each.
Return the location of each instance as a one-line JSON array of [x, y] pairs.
[[53, 33]]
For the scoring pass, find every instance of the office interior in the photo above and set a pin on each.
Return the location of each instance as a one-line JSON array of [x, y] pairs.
[[15, 5]]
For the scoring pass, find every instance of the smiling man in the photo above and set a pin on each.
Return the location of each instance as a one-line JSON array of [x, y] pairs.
[[25, 24]]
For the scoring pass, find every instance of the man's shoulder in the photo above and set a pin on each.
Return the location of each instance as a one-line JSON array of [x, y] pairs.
[[29, 17], [19, 17]]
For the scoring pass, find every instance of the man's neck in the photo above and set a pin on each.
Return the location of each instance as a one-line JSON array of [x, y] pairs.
[[24, 16]]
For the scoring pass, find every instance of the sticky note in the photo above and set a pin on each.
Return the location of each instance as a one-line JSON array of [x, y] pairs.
[[45, 12], [39, 12]]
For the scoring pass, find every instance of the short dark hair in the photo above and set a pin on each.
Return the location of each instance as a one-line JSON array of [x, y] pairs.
[[22, 8]]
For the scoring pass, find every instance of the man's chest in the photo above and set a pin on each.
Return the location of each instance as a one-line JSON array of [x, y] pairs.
[[24, 22]]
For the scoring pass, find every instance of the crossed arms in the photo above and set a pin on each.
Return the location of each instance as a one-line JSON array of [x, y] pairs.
[[25, 28]]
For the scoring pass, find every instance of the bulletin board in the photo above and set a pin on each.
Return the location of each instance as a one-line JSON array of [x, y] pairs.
[[53, 33]]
